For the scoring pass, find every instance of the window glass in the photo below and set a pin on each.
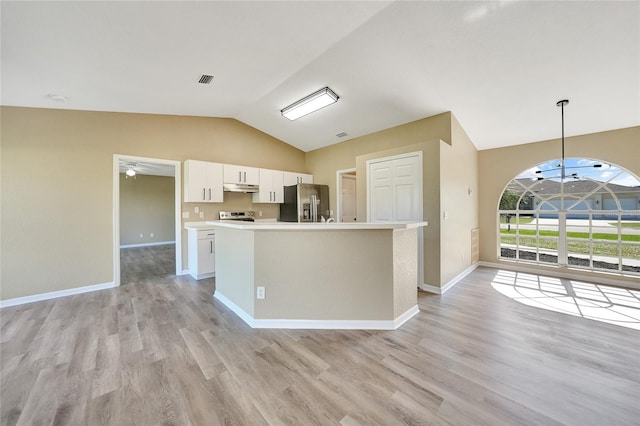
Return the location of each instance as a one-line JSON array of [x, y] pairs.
[[584, 214]]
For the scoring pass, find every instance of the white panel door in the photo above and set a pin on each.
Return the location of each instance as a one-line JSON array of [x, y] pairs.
[[395, 189], [348, 199], [381, 192], [407, 189]]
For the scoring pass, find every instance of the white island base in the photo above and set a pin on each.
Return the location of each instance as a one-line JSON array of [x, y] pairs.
[[318, 276]]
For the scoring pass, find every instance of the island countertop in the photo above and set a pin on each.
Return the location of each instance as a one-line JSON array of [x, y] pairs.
[[313, 226]]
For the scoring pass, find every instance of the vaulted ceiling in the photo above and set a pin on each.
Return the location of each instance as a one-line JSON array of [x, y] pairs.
[[498, 66]]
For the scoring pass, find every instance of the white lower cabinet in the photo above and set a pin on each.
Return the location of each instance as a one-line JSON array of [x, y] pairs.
[[201, 253]]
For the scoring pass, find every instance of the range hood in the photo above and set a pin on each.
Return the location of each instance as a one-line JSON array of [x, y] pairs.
[[240, 187]]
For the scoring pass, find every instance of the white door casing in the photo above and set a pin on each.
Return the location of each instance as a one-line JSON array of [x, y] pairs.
[[116, 209]]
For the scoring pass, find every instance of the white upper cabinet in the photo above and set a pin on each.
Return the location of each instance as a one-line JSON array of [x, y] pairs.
[[202, 182], [241, 174], [271, 187], [292, 178]]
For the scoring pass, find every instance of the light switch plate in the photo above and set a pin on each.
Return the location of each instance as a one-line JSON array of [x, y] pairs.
[[201, 215], [185, 215], [196, 209]]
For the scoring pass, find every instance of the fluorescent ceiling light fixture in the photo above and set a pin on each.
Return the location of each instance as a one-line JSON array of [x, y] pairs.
[[309, 104]]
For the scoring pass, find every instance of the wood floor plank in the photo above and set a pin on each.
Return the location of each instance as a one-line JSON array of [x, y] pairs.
[[207, 359], [107, 377], [41, 405], [161, 350]]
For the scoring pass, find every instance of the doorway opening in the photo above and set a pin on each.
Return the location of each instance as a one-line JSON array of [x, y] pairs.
[[346, 195], [147, 235]]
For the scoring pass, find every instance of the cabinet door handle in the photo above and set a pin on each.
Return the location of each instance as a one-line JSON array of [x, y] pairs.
[[209, 194], [203, 194], [211, 247], [239, 176], [245, 177]]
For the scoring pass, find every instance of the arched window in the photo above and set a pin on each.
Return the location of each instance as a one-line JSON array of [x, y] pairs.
[[582, 214]]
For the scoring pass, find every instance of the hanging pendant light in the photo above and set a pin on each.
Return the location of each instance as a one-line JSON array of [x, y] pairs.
[[562, 166]]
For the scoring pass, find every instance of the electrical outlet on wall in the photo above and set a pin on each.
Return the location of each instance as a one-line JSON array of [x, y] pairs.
[[196, 209], [185, 215], [151, 235], [260, 293], [201, 215], [141, 235]]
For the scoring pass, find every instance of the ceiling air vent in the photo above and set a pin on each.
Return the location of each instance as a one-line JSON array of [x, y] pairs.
[[205, 79], [341, 134]]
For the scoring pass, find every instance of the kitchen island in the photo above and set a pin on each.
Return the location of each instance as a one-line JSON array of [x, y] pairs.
[[318, 275]]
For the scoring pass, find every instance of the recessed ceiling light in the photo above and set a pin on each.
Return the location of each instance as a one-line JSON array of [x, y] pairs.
[[57, 98]]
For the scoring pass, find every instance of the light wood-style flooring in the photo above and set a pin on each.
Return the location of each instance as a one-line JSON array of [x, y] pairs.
[[144, 263], [163, 351]]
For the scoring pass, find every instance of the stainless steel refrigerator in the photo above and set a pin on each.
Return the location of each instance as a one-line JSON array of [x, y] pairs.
[[305, 202]]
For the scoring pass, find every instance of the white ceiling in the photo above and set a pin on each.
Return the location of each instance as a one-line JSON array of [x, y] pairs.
[[499, 66], [147, 168]]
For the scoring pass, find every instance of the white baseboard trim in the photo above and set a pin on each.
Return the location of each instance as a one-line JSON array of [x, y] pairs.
[[202, 276], [55, 294], [185, 272], [161, 243], [556, 273], [244, 316], [451, 283], [410, 313], [317, 324]]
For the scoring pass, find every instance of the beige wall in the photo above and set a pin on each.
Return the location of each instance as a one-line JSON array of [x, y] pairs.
[[498, 166], [57, 185], [147, 205], [305, 276], [235, 277], [449, 170], [459, 199]]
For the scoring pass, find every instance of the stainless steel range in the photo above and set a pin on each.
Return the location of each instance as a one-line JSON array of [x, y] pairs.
[[241, 216]]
